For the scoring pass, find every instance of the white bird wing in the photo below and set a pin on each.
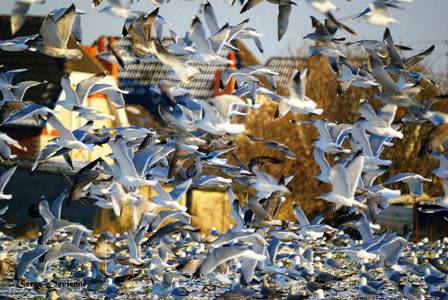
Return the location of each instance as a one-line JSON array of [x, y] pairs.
[[56, 33], [113, 93], [70, 94], [300, 215], [380, 74], [28, 258], [284, 11], [5, 177], [22, 87], [84, 86], [56, 205], [210, 18], [400, 177], [19, 11], [64, 133], [223, 254], [392, 250], [364, 229], [297, 84], [387, 113], [224, 103], [198, 36], [44, 211], [121, 154], [219, 39], [339, 180], [57, 225], [163, 215], [324, 133], [359, 136], [248, 264], [235, 30], [134, 252], [164, 195], [370, 115], [183, 71], [68, 249], [211, 113], [319, 158], [180, 189], [3, 210], [259, 212], [354, 170]]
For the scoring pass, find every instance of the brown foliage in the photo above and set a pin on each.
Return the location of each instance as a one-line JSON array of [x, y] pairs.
[[322, 87]]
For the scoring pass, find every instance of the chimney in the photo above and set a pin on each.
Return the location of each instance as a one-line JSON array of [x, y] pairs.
[[230, 87], [113, 70], [101, 44]]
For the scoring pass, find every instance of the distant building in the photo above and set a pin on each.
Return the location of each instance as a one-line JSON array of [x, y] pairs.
[[26, 188]]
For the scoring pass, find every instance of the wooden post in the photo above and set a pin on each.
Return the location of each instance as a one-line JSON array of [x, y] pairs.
[[189, 201], [415, 223]]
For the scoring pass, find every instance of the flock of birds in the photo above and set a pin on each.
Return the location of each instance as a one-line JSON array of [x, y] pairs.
[[261, 256]]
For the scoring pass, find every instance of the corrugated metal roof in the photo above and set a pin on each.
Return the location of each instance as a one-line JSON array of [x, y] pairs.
[[285, 67], [137, 78]]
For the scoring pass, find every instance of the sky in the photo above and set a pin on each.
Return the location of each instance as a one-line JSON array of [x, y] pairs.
[[422, 23]]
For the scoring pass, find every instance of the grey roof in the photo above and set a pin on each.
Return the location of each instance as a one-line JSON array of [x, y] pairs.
[[136, 78], [285, 66]]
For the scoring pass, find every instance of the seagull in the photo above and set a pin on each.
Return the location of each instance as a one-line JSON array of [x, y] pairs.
[[414, 182], [223, 254], [344, 180], [297, 101], [285, 150], [392, 93], [18, 43], [66, 138], [55, 32], [365, 290], [141, 31], [323, 33], [323, 6], [6, 79], [75, 98], [206, 49], [284, 11], [266, 184], [24, 110], [378, 14], [350, 75], [216, 121], [117, 9], [127, 173], [58, 225], [331, 135], [18, 91], [27, 258], [170, 200], [182, 70], [379, 123], [5, 143]]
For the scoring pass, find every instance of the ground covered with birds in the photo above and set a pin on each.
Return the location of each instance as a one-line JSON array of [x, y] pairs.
[[304, 266]]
